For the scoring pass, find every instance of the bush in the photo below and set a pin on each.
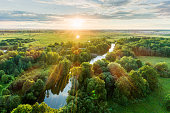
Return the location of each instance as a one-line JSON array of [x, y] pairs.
[[162, 69], [22, 109]]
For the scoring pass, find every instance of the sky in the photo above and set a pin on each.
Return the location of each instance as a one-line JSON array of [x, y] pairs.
[[85, 14]]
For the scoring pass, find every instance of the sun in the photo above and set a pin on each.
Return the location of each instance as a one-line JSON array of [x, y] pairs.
[[77, 23], [78, 36]]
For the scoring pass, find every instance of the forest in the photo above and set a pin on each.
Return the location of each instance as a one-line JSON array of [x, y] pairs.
[[28, 73]]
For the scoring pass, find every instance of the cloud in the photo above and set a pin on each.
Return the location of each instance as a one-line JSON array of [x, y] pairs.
[[86, 3], [26, 16], [163, 9]]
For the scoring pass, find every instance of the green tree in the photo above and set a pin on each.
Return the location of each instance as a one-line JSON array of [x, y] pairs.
[[150, 74], [5, 91], [96, 88], [128, 63], [116, 70], [111, 56], [86, 71], [140, 86]]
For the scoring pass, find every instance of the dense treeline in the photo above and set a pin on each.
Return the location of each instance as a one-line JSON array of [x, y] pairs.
[[146, 46], [16, 41]]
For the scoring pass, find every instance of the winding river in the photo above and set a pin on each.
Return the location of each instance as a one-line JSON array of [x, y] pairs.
[[56, 97]]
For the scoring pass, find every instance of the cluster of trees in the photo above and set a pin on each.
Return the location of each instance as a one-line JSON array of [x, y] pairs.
[[120, 77], [147, 46], [15, 65], [98, 46], [5, 79], [8, 101], [17, 41]]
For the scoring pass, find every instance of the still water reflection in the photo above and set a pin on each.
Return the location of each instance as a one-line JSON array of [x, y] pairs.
[[56, 96]]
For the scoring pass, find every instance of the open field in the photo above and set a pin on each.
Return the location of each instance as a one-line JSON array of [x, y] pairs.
[[154, 60], [45, 38], [152, 104]]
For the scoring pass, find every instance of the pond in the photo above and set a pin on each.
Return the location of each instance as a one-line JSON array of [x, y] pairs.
[[56, 96]]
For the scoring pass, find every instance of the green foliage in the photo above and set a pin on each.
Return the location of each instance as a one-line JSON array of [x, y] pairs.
[[84, 57], [111, 56], [36, 108], [96, 89], [128, 63], [31, 95], [100, 66], [162, 69], [86, 71], [5, 91], [122, 91], [2, 73], [167, 102], [140, 86], [5, 79], [27, 85], [22, 109], [150, 74], [109, 83], [116, 70], [8, 102], [148, 46]]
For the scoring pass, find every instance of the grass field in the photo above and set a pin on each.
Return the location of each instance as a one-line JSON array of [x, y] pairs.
[[45, 38], [152, 104], [154, 60]]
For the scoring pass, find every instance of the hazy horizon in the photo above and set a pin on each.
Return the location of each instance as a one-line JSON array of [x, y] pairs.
[[84, 14]]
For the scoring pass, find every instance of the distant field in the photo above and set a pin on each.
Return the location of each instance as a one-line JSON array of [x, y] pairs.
[[45, 38], [154, 60]]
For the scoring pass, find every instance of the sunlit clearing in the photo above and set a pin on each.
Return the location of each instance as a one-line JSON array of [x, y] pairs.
[[78, 36], [77, 23]]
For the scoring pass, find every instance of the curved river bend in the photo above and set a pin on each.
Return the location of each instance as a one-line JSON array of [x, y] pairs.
[[56, 99]]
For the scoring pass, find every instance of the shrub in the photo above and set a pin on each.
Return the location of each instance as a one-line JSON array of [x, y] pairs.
[[162, 69]]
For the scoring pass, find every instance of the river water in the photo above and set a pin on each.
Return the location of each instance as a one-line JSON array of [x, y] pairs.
[[56, 97]]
